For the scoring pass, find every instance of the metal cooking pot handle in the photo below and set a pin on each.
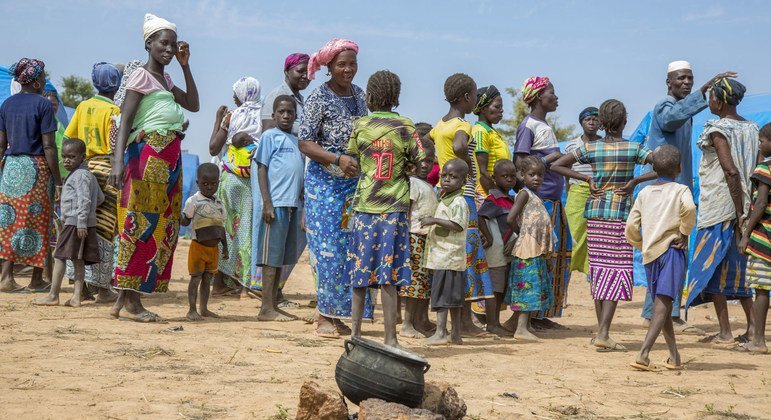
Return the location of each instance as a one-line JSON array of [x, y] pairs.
[[427, 368], [347, 349]]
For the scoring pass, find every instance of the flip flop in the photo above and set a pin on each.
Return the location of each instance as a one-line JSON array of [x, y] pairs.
[[670, 366], [20, 290], [688, 330], [742, 339], [44, 289], [608, 347], [741, 348], [145, 317], [288, 304], [332, 334], [650, 367]]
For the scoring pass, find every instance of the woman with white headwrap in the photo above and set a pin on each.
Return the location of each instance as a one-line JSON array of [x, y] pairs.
[[235, 189], [147, 168]]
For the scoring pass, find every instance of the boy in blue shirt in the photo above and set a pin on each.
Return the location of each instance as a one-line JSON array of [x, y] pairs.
[[280, 177]]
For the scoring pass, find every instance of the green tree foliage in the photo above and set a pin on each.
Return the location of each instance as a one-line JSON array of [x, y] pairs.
[[75, 89], [508, 126]]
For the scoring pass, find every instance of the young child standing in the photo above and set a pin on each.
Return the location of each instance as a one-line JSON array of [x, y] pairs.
[[423, 203], [205, 212], [659, 223], [452, 137], [379, 256], [78, 241], [496, 232], [445, 254], [280, 170], [755, 242], [529, 288]]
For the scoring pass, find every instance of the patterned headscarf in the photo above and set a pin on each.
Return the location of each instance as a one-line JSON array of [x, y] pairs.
[[532, 87], [728, 91], [129, 68], [26, 70], [485, 97], [247, 116], [295, 59], [105, 77], [588, 112], [328, 52]]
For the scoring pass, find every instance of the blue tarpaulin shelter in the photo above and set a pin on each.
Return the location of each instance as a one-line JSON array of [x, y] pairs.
[[755, 108]]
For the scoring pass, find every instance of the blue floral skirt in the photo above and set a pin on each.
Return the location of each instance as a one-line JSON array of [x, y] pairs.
[[379, 254], [328, 200], [530, 285]]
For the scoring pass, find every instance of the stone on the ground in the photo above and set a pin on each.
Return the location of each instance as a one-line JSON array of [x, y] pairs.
[[317, 403], [375, 409], [441, 398]]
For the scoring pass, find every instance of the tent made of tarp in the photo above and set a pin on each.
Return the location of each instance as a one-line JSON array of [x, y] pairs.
[[6, 91], [756, 108], [190, 164]]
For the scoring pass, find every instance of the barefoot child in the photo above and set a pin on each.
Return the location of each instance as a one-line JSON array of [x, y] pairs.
[[280, 169], [78, 241], [529, 283], [205, 212], [496, 232], [379, 256], [756, 243], [659, 223], [423, 203], [445, 254]]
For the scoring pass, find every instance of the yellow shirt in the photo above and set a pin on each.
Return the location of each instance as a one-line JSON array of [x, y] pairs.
[[91, 123], [443, 134], [489, 141]]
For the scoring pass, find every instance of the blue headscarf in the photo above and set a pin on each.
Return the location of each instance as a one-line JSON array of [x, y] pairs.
[[106, 77]]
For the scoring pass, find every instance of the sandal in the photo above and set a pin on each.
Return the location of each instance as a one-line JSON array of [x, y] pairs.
[[609, 346], [650, 367], [670, 366]]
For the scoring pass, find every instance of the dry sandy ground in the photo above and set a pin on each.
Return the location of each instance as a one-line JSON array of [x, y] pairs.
[[79, 363]]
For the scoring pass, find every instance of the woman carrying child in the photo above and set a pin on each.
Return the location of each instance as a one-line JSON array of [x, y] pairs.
[[330, 179], [384, 143], [613, 161], [239, 130]]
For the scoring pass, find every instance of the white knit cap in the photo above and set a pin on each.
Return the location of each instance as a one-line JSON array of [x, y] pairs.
[[154, 24], [678, 65]]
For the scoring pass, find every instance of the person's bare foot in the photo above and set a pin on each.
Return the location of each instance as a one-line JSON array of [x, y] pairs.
[[457, 341], [410, 332], [546, 324], [471, 330], [10, 286], [754, 348], [208, 314], [273, 315], [510, 325], [499, 331], [47, 300], [525, 335], [342, 329], [72, 303], [608, 345], [144, 316], [106, 296], [437, 340], [192, 315], [398, 346]]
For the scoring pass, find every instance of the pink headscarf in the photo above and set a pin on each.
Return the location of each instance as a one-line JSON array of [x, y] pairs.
[[532, 87], [328, 52]]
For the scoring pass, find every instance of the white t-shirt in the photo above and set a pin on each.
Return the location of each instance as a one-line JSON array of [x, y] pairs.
[[423, 203], [581, 168], [445, 249]]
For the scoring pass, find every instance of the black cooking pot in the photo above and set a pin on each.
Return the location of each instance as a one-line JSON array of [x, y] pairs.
[[369, 369]]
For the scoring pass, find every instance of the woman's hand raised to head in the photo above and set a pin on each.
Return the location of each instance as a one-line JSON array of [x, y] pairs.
[[183, 53]]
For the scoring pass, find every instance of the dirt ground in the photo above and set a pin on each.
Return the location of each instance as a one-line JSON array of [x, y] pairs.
[[80, 363]]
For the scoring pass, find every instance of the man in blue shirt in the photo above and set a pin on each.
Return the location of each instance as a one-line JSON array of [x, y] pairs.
[[672, 123]]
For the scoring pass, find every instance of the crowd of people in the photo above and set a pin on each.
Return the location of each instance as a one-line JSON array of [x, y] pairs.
[[445, 217]]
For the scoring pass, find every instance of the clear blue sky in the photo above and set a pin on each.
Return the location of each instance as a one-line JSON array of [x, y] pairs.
[[592, 51]]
